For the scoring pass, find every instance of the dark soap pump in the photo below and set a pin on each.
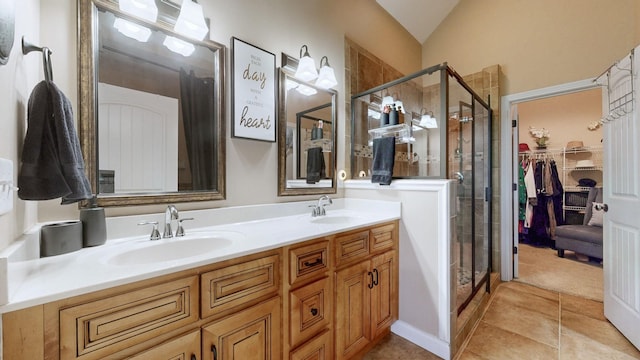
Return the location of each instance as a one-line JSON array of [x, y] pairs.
[[94, 227]]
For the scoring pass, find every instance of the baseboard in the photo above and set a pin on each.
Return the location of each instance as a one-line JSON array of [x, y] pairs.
[[424, 340]]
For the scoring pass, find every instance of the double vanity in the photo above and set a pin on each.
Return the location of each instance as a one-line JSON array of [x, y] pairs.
[[253, 282]]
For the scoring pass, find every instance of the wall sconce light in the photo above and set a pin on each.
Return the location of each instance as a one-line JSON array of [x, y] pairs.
[[191, 21], [427, 120], [306, 90], [178, 46], [132, 30], [326, 78], [144, 9], [306, 66]]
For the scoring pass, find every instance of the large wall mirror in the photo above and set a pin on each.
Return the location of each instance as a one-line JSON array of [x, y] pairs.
[[151, 108], [307, 135]]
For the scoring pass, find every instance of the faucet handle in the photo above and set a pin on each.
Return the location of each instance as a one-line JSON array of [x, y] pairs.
[[180, 230], [155, 234], [315, 210]]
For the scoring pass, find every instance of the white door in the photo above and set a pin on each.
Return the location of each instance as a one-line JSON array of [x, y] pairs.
[[622, 196], [138, 139]]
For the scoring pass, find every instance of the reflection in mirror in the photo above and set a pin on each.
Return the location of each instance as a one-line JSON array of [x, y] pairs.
[[307, 114], [155, 133]]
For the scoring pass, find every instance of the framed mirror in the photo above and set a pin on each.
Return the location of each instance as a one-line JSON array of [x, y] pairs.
[[306, 135], [151, 115]]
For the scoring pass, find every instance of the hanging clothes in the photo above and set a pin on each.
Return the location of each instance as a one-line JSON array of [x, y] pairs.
[[546, 208]]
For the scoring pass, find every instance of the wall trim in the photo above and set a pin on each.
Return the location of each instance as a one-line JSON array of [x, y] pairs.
[[508, 156], [422, 339]]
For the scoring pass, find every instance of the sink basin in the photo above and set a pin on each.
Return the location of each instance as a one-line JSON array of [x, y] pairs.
[[335, 219], [173, 249]]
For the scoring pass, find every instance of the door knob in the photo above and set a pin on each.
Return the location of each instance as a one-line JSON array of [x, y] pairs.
[[603, 207]]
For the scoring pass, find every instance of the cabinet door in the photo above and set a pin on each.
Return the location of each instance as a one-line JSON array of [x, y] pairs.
[[318, 348], [384, 295], [251, 334], [353, 327], [185, 347]]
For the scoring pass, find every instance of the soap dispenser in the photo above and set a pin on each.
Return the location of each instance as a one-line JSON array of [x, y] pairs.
[[94, 227]]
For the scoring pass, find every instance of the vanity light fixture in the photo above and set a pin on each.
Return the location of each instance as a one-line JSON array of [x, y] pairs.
[[191, 21], [306, 66], [132, 30], [326, 78], [306, 90], [178, 46], [427, 120], [144, 9]]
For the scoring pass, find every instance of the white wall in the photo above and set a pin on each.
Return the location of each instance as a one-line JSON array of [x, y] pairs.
[[425, 258], [276, 26], [17, 77]]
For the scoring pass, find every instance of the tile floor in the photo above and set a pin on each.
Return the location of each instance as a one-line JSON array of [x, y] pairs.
[[536, 324]]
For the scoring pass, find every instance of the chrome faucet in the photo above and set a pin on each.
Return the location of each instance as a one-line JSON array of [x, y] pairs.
[[318, 210], [170, 214]]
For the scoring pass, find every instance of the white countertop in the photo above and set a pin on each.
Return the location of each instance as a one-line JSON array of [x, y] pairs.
[[42, 280]]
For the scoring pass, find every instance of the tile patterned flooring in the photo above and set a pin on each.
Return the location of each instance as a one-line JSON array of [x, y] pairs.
[[536, 324]]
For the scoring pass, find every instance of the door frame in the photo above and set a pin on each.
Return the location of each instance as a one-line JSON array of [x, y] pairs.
[[508, 161]]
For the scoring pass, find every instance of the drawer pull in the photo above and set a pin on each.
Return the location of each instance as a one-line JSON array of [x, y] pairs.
[[193, 357], [370, 286], [375, 272], [314, 311], [315, 263], [214, 351]]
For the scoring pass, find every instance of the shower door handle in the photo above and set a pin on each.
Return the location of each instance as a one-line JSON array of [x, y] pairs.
[[459, 176]]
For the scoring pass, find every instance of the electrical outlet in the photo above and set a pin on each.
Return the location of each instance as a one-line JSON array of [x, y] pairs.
[[6, 186]]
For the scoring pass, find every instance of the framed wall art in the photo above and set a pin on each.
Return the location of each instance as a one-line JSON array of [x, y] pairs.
[[254, 92]]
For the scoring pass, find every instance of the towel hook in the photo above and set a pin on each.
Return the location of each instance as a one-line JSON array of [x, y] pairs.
[[28, 47]]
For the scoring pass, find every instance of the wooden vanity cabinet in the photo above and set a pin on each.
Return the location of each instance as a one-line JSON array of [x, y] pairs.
[[308, 299], [328, 298], [366, 294]]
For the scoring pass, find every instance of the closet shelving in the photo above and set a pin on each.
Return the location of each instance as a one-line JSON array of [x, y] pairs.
[[571, 171]]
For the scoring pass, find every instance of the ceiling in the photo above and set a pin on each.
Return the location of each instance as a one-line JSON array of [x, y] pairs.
[[419, 17]]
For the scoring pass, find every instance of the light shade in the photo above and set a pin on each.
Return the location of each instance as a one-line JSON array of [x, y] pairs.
[[178, 46], [428, 122], [132, 30], [191, 21], [144, 9], [326, 78], [306, 90], [306, 66]]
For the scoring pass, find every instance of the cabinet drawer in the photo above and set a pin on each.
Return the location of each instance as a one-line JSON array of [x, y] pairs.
[[383, 238], [319, 348], [98, 328], [351, 247], [310, 310], [239, 285], [308, 261], [185, 347]]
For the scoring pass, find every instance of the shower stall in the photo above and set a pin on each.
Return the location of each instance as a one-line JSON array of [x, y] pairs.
[[442, 130]]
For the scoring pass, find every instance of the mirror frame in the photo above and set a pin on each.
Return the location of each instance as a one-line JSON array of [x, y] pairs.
[[87, 104], [288, 68]]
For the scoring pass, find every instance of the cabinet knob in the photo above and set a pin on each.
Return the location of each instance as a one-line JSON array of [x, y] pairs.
[[314, 311], [193, 357]]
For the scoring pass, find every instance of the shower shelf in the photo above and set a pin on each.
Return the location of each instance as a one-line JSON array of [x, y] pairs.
[[402, 132]]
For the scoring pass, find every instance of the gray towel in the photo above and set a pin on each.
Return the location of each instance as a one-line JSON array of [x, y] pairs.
[[52, 164], [315, 165], [384, 153]]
